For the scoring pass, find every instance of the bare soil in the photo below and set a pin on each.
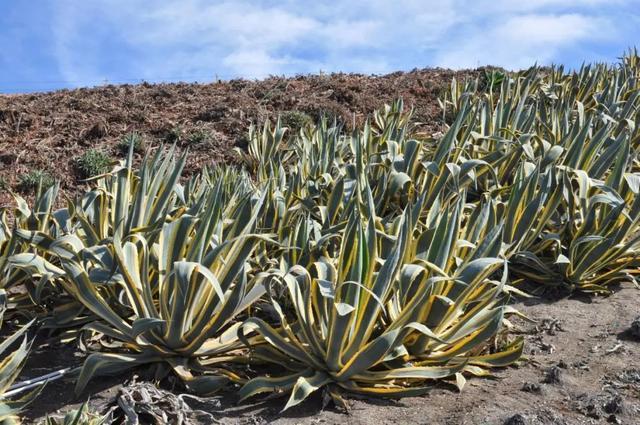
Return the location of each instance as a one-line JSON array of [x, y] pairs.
[[582, 366]]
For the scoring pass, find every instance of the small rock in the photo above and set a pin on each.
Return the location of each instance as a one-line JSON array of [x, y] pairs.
[[634, 329], [613, 419], [552, 375], [516, 419], [547, 348], [8, 158], [212, 114], [630, 376], [591, 410], [582, 364], [96, 131], [550, 326], [530, 387], [614, 405], [589, 406], [562, 364]]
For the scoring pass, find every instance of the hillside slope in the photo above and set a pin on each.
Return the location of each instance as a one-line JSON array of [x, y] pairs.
[[49, 131]]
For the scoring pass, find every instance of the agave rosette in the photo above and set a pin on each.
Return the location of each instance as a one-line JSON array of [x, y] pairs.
[[368, 322]]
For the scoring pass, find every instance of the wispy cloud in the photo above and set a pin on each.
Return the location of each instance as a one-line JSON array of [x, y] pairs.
[[522, 40], [118, 40]]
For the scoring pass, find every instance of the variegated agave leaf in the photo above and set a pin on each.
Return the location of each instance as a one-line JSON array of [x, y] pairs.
[[13, 355]]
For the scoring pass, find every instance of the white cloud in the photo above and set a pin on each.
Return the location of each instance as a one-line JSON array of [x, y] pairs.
[[345, 34], [228, 23], [66, 44], [511, 6], [522, 40], [254, 38], [259, 63]]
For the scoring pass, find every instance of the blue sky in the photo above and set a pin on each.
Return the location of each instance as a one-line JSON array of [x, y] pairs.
[[49, 44]]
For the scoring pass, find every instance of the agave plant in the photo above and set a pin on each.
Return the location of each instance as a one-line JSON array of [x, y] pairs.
[[10, 366], [266, 153], [367, 322], [124, 202], [172, 301], [41, 219], [543, 127], [597, 247], [133, 246]]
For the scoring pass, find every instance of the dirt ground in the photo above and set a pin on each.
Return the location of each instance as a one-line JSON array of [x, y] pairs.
[[582, 366]]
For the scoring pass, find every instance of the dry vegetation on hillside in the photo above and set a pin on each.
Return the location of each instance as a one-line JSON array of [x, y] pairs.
[[48, 132]]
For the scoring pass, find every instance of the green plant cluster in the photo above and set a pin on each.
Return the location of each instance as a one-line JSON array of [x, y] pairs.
[[93, 163], [35, 179]]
